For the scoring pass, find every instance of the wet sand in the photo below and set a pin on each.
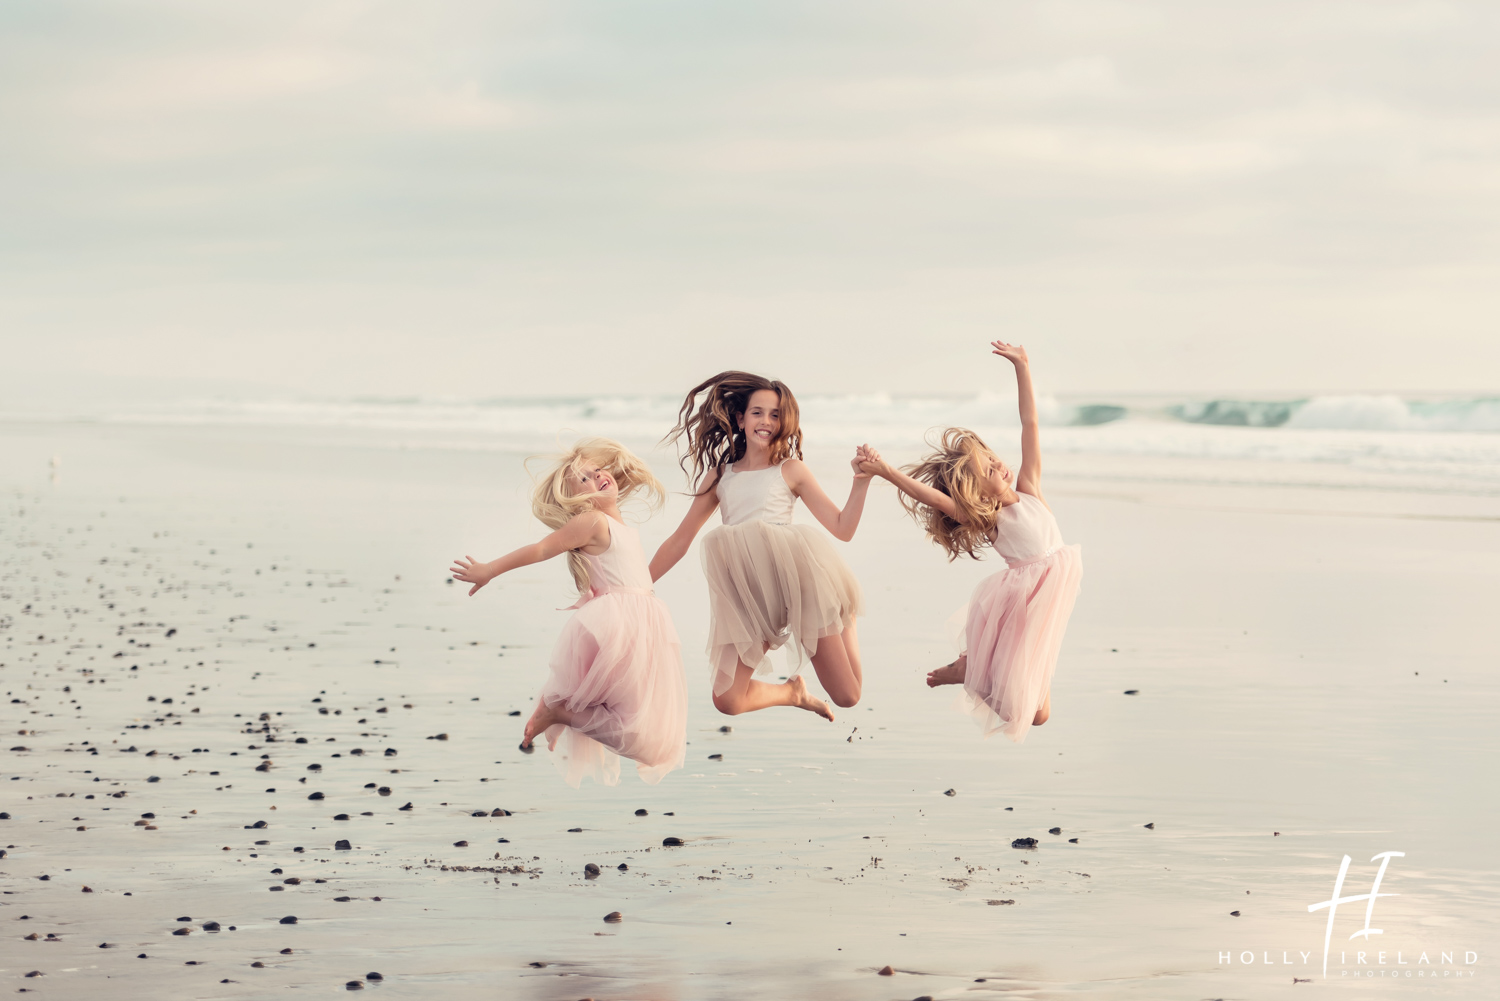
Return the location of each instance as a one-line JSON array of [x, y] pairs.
[[203, 628]]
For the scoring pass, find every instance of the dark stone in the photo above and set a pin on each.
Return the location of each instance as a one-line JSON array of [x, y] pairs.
[[885, 971], [640, 813], [1151, 827], [406, 807], [341, 846], [341, 900], [460, 844], [671, 842], [1072, 841], [1132, 691], [479, 813], [514, 712], [528, 748], [390, 752], [622, 867], [257, 965], [153, 778], [354, 985], [314, 795], [210, 926], [286, 952], [1023, 843], [182, 931], [575, 830], [1054, 830], [292, 880], [497, 812], [716, 757], [950, 792], [340, 816], [384, 790], [373, 976], [726, 729], [590, 871], [1234, 914], [184, 919], [290, 919], [613, 917]]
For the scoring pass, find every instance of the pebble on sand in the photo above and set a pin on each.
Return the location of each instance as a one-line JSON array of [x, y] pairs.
[[1132, 691], [886, 971], [641, 812], [373, 976], [290, 919], [354, 985], [950, 792], [1151, 826], [1054, 830], [460, 844], [1234, 914], [671, 842], [341, 846], [613, 917], [1023, 843], [182, 931], [590, 871]]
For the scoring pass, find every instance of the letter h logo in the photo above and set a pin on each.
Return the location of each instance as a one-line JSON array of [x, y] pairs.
[[1333, 903]]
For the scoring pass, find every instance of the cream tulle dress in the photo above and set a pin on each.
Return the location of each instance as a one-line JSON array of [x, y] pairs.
[[618, 668], [769, 581], [1014, 623]]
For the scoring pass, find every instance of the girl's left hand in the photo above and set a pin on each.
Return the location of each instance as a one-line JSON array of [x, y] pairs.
[[471, 571], [1014, 353], [861, 458]]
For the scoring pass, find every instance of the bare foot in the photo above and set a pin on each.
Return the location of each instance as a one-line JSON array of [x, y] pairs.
[[802, 699], [953, 674], [543, 717]]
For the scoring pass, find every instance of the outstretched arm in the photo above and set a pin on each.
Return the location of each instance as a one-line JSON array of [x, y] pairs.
[[676, 546], [840, 522], [588, 528], [871, 462], [1029, 476]]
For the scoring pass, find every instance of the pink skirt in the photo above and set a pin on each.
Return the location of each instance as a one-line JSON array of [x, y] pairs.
[[1013, 630], [618, 668]]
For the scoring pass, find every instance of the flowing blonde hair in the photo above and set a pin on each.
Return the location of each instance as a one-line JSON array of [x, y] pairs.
[[712, 427], [956, 468], [555, 503]]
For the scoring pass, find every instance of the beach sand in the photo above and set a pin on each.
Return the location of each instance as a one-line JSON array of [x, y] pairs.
[[1312, 669]]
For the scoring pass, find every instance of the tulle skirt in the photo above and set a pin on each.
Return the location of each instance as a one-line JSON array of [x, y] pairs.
[[768, 585], [618, 668], [1013, 630]]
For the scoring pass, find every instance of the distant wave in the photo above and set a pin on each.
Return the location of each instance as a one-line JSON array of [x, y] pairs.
[[1351, 413]]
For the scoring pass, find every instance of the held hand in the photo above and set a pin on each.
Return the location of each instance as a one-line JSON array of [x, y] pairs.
[[471, 571], [870, 462], [1014, 353], [858, 464]]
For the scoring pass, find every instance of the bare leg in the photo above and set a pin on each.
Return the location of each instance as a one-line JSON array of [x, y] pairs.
[[1045, 712], [837, 663], [953, 674], [543, 717], [747, 695]]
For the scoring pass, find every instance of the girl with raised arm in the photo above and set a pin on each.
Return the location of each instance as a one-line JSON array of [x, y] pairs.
[[967, 498], [770, 582], [616, 685]]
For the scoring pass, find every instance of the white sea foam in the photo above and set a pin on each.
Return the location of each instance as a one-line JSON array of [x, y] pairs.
[[1452, 440]]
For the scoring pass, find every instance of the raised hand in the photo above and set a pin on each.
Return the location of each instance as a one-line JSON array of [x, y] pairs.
[[858, 464], [1014, 353], [471, 571], [869, 462]]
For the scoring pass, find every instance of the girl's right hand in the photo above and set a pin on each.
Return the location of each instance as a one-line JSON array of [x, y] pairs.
[[471, 571], [868, 462]]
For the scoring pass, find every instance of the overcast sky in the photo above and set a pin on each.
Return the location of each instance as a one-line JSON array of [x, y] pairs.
[[487, 198]]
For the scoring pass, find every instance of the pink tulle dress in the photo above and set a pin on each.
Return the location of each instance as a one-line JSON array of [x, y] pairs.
[[618, 668], [1014, 623]]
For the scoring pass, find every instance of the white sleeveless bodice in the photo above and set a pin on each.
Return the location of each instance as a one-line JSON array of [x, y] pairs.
[[1025, 531], [760, 495], [621, 567]]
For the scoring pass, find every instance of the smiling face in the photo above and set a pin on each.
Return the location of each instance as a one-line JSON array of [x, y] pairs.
[[998, 480], [761, 421], [587, 478]]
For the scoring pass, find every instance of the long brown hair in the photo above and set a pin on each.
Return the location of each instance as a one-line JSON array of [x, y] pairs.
[[711, 425], [555, 500], [956, 466]]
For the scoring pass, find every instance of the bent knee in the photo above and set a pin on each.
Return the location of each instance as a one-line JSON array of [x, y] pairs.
[[845, 700], [1042, 716], [728, 704]]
